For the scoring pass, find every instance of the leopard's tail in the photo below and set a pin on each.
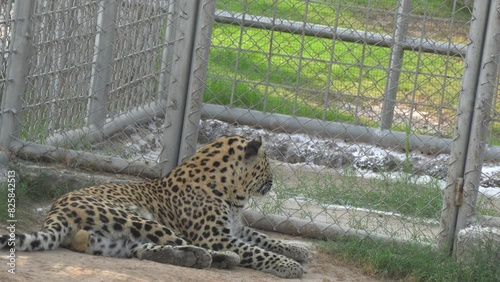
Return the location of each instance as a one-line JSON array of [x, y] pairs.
[[46, 239]]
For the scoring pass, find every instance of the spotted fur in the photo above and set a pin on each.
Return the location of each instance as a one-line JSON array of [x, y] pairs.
[[191, 217]]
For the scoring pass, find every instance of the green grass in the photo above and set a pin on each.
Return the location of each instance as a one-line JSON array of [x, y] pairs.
[[409, 262], [351, 69], [402, 195], [250, 98], [326, 11]]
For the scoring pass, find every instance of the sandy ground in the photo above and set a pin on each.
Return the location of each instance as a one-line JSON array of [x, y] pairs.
[[64, 265]]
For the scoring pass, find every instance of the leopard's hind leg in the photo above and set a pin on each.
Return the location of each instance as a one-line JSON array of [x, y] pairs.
[[163, 250], [92, 242]]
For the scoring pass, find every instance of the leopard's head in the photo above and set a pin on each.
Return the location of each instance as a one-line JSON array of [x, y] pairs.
[[233, 167], [257, 175]]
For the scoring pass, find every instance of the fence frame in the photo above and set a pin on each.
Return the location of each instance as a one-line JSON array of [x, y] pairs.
[[17, 71], [486, 91], [468, 152], [183, 104], [103, 58], [395, 64]]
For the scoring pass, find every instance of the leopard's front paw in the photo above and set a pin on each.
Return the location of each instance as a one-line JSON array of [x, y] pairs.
[[287, 269], [224, 259], [188, 256], [295, 252]]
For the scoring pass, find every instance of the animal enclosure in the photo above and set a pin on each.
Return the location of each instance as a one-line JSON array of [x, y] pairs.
[[381, 117]]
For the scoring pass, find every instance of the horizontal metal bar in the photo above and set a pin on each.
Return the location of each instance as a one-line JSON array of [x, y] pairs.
[[136, 116], [64, 39], [356, 133], [133, 83], [313, 229], [65, 10], [56, 100], [148, 19], [349, 35], [142, 52], [29, 151]]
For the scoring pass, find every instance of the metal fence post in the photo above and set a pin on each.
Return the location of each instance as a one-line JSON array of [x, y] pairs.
[[18, 68], [486, 89], [453, 192], [185, 15], [196, 87], [395, 64], [193, 24], [103, 59]]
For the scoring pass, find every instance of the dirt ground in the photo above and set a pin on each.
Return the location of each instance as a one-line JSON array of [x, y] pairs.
[[64, 265]]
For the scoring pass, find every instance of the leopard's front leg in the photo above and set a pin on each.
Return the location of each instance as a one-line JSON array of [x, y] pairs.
[[263, 241], [258, 258]]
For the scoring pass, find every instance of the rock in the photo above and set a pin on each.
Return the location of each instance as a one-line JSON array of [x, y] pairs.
[[437, 168], [334, 160], [377, 163], [277, 151], [492, 180], [302, 148], [212, 129], [294, 157], [477, 243]]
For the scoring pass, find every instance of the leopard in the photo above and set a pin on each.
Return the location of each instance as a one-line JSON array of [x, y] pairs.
[[191, 217]]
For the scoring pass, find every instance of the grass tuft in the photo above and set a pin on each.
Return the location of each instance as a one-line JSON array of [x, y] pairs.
[[409, 262], [42, 189]]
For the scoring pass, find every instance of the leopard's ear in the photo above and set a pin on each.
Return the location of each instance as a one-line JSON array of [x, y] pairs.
[[253, 147]]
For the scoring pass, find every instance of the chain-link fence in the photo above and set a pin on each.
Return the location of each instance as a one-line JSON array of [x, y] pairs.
[[5, 27], [358, 101]]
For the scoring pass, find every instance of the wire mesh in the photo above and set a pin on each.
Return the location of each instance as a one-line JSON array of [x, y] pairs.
[[66, 58], [331, 61], [60, 65], [5, 29]]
